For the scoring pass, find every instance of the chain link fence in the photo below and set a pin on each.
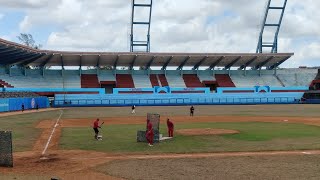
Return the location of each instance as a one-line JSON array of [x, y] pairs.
[[6, 159]]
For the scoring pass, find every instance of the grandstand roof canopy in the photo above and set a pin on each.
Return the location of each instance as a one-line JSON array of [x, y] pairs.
[[16, 54]]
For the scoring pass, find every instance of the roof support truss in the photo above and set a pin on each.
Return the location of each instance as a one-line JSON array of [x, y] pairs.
[[116, 62], [45, 62], [16, 53], [29, 60], [80, 61], [233, 62], [216, 63], [249, 62], [98, 61], [8, 50], [259, 66], [199, 63], [16, 58], [150, 62], [278, 63], [164, 67], [132, 63], [183, 63], [61, 58]]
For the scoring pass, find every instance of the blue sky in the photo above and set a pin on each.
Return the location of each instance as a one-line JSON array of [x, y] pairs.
[[177, 26]]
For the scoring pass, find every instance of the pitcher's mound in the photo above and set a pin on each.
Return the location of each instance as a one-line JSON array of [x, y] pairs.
[[206, 131]]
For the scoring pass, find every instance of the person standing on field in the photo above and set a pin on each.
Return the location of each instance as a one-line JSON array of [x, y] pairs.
[[170, 128], [22, 107], [149, 133], [191, 110], [95, 128], [133, 109]]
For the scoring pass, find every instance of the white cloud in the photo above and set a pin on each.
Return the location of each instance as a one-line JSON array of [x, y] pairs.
[[25, 4], [177, 26]]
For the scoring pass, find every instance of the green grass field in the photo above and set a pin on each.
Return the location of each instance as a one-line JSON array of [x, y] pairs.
[[253, 136], [23, 128], [121, 138]]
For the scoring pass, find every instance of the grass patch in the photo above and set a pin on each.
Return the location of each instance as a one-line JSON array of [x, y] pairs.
[[254, 136], [23, 128]]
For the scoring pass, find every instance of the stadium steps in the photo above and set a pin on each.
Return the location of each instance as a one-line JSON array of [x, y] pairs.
[[89, 81], [279, 80], [318, 75], [224, 80], [141, 81], [192, 80], [124, 81], [154, 80], [163, 80], [5, 84]]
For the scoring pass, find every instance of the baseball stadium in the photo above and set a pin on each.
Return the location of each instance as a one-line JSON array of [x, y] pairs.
[[158, 115]]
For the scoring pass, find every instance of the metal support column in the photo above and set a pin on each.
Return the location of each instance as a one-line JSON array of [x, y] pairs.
[[140, 42], [261, 42]]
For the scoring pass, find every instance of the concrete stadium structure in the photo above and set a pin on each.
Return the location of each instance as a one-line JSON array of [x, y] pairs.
[[239, 73]]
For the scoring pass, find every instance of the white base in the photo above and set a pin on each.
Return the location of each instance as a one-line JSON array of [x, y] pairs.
[[99, 137], [165, 138]]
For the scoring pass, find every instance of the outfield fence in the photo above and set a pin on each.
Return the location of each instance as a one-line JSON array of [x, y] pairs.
[[175, 101]]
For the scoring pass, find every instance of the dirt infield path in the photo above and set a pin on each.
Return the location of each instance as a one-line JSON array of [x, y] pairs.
[[76, 164], [5, 114]]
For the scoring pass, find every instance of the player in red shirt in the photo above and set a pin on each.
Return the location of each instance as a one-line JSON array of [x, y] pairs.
[[95, 128], [149, 134], [170, 128]]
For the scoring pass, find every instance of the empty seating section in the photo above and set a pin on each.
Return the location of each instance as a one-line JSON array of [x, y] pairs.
[[154, 80], [299, 77], [192, 80], [17, 94], [255, 80], [203, 77], [175, 81], [224, 80], [124, 81], [36, 78], [5, 84], [50, 80], [106, 76], [141, 81], [89, 81], [163, 80]]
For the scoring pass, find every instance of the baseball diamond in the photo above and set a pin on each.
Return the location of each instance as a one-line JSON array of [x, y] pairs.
[[71, 108]]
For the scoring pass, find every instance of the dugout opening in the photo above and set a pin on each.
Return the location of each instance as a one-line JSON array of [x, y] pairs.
[[108, 86], [211, 84]]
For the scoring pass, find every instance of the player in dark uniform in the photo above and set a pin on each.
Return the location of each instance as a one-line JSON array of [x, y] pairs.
[[191, 110], [22, 107]]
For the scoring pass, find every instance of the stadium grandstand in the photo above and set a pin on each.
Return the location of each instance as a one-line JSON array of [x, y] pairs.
[[26, 69]]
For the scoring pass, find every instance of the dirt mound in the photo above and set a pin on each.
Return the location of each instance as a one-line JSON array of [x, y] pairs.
[[206, 131]]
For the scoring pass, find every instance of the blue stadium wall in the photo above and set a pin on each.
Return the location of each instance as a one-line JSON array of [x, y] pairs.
[[15, 104], [128, 97]]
